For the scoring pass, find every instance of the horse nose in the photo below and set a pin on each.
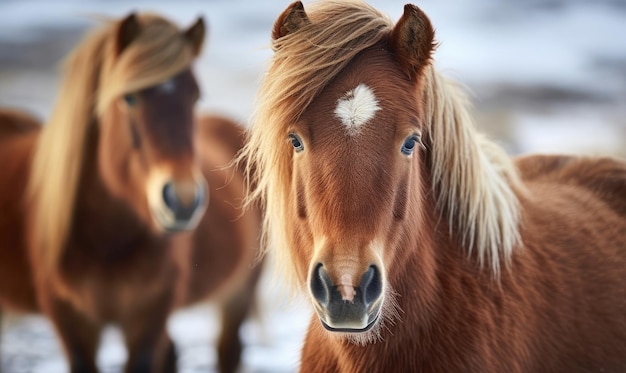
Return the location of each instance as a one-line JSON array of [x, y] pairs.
[[183, 199], [321, 285], [169, 196], [342, 307], [372, 286]]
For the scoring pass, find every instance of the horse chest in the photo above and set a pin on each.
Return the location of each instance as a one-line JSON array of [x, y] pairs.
[[107, 281]]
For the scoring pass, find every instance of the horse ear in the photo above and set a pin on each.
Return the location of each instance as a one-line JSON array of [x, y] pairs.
[[413, 40], [195, 35], [127, 30], [290, 20]]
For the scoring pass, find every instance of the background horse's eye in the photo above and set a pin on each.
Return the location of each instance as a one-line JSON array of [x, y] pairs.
[[409, 145], [296, 142], [130, 99]]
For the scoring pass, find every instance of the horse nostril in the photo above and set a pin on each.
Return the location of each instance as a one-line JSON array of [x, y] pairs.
[[321, 285], [200, 196], [169, 196], [371, 285]]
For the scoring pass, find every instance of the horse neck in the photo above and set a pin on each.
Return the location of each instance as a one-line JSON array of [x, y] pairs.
[[102, 221], [416, 264], [433, 276]]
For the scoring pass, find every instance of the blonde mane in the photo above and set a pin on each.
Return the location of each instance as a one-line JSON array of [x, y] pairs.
[[478, 199], [93, 79], [473, 178]]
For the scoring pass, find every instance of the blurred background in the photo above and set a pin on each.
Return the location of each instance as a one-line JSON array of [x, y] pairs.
[[545, 76]]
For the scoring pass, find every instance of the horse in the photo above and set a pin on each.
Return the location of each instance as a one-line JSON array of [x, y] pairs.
[[419, 243], [125, 206]]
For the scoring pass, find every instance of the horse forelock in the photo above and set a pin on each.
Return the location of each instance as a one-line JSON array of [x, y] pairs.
[[474, 180], [93, 78], [158, 53]]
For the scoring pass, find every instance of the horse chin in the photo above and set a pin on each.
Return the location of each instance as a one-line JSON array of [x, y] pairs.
[[350, 328], [167, 223], [367, 328], [180, 227]]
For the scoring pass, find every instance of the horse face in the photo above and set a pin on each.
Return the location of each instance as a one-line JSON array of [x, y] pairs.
[[147, 154], [356, 163]]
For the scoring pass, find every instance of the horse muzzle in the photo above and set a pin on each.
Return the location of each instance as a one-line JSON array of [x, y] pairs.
[[179, 205], [344, 310]]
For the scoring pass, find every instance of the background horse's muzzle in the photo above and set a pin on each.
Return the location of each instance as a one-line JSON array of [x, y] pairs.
[[186, 202]]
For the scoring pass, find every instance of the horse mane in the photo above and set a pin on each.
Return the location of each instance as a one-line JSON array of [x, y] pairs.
[[471, 181], [93, 78]]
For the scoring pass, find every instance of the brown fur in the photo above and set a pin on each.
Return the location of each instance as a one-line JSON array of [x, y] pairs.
[[552, 229], [113, 263], [18, 134]]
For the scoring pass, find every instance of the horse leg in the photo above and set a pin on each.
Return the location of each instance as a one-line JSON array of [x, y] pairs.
[[234, 311], [149, 347], [147, 356], [79, 336]]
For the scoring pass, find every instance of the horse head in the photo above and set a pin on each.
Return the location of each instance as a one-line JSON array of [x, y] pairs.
[[344, 180], [146, 109]]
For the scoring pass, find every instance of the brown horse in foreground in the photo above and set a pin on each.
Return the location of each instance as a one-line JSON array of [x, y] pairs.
[[422, 246], [98, 208]]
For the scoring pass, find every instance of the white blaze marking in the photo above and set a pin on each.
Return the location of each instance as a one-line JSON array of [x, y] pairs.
[[345, 288], [356, 108]]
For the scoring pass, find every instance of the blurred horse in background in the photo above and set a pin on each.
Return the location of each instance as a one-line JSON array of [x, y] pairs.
[[422, 246], [103, 211]]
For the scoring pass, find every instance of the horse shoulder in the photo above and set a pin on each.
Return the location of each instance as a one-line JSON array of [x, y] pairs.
[[572, 265]]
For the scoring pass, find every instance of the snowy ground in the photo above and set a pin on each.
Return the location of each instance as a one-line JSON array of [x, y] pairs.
[[272, 339], [546, 76]]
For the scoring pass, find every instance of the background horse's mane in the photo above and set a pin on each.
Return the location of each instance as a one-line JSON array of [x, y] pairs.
[[94, 77], [471, 182]]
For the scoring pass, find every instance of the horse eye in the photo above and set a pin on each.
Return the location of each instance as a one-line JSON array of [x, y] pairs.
[[296, 142], [409, 145], [130, 99]]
